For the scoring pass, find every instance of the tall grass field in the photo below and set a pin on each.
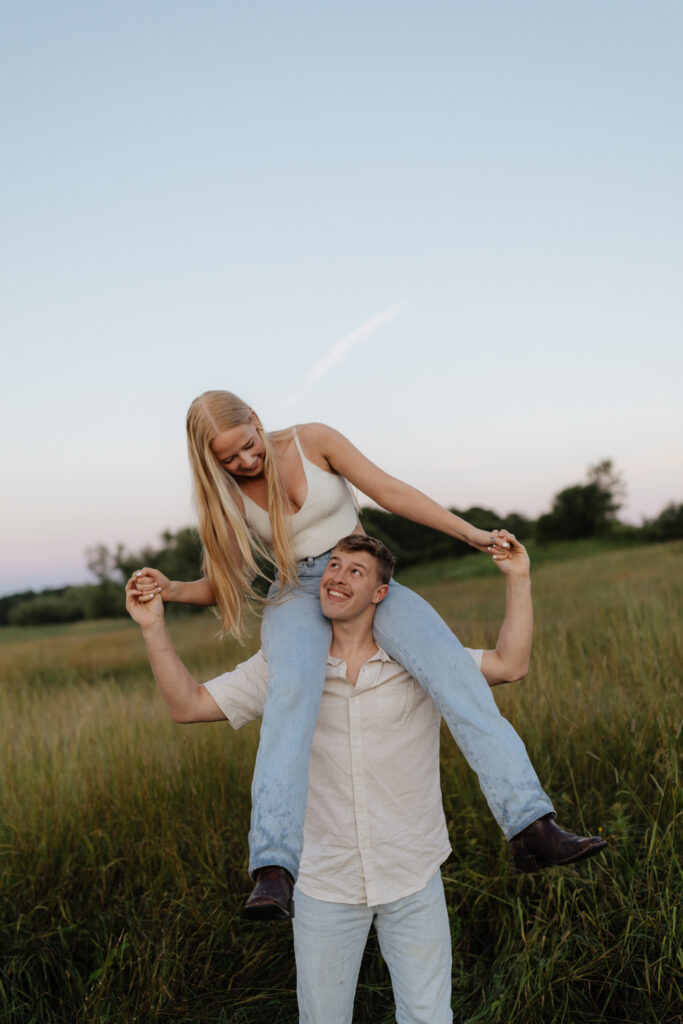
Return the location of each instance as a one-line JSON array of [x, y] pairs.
[[123, 837]]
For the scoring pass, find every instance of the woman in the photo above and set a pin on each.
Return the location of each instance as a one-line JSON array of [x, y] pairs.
[[287, 496]]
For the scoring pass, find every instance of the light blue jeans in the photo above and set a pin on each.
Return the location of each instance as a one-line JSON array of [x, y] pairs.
[[296, 642], [415, 940]]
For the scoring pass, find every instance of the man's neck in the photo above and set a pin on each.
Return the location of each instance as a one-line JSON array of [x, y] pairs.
[[353, 641]]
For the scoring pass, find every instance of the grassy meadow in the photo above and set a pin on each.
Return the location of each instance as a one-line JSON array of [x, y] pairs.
[[123, 836]]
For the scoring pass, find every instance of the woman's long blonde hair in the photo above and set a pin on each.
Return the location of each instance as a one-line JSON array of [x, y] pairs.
[[231, 548]]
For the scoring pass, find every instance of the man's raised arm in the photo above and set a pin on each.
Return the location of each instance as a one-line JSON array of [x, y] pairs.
[[510, 660], [187, 700]]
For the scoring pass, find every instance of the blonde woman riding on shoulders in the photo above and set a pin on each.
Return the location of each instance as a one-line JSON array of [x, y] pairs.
[[286, 496]]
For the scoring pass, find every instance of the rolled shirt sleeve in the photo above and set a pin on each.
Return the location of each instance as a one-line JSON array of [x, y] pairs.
[[241, 694]]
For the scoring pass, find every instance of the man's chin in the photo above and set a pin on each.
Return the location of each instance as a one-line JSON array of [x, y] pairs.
[[332, 611]]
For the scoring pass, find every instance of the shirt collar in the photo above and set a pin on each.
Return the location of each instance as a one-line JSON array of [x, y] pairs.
[[379, 655]]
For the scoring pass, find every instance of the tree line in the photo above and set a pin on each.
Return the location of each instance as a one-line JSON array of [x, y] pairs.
[[588, 509]]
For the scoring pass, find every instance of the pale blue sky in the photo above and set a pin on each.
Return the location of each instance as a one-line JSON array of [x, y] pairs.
[[208, 194]]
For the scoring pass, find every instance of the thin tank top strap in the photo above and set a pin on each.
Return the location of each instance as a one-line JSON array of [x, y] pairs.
[[305, 461], [300, 450], [306, 464]]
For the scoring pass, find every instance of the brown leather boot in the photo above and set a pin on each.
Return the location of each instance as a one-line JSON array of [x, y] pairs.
[[544, 844], [271, 897]]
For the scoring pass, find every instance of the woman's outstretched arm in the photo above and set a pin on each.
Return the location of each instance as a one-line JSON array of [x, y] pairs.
[[387, 491], [149, 582]]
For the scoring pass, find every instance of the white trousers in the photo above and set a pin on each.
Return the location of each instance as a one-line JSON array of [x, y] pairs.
[[415, 940]]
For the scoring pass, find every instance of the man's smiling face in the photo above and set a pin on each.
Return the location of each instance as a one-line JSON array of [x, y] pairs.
[[349, 585]]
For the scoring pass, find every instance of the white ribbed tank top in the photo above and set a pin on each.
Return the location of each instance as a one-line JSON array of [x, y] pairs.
[[328, 513]]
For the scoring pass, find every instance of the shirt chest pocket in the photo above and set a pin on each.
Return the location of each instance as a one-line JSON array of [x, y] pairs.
[[395, 703]]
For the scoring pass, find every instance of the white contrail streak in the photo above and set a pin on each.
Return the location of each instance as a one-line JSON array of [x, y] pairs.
[[342, 348]]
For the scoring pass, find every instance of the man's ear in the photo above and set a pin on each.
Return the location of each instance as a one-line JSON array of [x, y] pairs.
[[380, 593]]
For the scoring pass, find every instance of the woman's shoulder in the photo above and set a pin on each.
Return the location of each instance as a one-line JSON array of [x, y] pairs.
[[318, 435], [320, 442], [309, 437]]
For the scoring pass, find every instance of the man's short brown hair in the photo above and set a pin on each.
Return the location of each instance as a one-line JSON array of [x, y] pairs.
[[379, 551]]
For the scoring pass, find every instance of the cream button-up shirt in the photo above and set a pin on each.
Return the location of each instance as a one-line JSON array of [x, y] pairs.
[[375, 830]]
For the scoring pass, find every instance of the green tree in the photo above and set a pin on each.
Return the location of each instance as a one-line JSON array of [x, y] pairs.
[[179, 556], [482, 518], [668, 525], [101, 562], [584, 510], [10, 601], [611, 486], [521, 526], [105, 600], [410, 542], [47, 608]]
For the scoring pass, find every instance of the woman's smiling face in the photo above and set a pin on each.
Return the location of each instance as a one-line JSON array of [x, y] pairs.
[[240, 450]]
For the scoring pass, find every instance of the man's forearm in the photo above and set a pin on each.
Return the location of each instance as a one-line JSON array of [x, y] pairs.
[[176, 685], [514, 641], [510, 660]]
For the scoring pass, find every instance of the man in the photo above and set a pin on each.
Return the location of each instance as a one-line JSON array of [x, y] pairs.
[[375, 833]]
